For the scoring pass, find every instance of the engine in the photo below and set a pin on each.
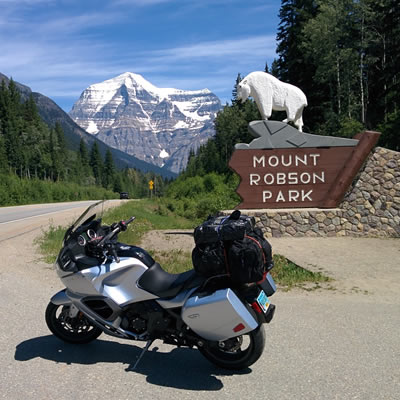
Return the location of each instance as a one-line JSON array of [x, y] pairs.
[[146, 316]]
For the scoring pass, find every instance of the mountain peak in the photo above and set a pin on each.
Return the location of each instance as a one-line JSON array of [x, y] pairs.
[[130, 113], [131, 80]]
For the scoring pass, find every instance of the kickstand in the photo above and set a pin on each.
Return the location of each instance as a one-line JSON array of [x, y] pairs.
[[148, 344]]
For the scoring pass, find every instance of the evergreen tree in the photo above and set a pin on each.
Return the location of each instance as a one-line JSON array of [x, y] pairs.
[[293, 64], [383, 32], [274, 69], [96, 163], [3, 156], [30, 112], [83, 153], [108, 170], [234, 91], [62, 152], [344, 55], [55, 170], [117, 184]]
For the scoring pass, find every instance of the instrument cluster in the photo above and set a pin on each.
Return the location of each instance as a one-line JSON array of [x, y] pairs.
[[86, 237]]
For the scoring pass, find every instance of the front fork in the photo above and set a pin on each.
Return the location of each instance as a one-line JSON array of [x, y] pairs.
[[61, 299]]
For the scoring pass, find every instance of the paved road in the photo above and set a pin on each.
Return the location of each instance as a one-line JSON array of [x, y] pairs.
[[19, 220], [13, 214], [321, 345]]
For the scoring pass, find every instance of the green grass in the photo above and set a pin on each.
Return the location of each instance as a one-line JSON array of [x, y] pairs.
[[50, 243], [147, 218], [173, 261], [285, 273], [289, 275]]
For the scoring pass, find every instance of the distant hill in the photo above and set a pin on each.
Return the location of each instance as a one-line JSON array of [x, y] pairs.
[[52, 113]]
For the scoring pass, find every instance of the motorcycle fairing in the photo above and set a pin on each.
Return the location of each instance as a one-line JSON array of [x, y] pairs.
[[115, 280], [61, 298]]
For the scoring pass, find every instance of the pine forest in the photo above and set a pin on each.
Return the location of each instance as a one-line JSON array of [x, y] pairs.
[[343, 54], [37, 166]]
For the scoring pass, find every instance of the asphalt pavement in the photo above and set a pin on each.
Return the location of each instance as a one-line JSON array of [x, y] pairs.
[[342, 343]]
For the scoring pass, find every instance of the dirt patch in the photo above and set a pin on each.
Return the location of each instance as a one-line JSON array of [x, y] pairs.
[[165, 240], [359, 266]]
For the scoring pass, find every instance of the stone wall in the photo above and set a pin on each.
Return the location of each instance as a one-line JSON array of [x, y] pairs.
[[371, 207]]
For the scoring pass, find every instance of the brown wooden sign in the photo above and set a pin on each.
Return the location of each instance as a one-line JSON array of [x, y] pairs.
[[302, 177]]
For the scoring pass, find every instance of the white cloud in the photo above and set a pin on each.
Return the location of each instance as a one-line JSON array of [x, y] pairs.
[[56, 53], [65, 71], [250, 46]]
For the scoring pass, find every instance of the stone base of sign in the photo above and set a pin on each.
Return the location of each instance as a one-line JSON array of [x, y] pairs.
[[371, 206]]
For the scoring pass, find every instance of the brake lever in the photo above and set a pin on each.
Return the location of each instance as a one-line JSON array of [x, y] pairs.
[[110, 248], [114, 254]]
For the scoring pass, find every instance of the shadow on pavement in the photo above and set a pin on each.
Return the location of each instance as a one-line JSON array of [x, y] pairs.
[[182, 368]]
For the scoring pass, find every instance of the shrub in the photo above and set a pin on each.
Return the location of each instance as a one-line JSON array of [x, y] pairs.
[[17, 191]]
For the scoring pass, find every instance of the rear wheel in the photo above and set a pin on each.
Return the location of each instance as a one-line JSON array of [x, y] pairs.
[[236, 353], [72, 330]]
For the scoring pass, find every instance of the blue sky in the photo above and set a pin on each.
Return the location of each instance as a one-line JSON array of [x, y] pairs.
[[60, 47]]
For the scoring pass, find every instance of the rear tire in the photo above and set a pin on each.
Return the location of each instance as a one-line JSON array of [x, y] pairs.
[[234, 353], [77, 330]]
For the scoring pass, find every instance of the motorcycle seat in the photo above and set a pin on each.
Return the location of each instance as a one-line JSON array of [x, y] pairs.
[[163, 284]]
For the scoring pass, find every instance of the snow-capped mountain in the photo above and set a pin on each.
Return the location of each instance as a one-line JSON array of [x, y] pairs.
[[157, 125]]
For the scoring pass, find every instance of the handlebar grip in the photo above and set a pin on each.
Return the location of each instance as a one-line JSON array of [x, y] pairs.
[[131, 219]]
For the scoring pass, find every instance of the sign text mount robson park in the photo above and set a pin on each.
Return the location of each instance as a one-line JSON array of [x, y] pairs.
[[285, 168]]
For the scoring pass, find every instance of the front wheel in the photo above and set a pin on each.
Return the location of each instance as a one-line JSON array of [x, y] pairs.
[[238, 352], [75, 330]]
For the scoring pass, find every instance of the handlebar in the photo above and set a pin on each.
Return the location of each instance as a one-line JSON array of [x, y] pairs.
[[116, 228]]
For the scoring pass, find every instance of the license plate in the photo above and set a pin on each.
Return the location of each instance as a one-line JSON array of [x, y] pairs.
[[263, 301]]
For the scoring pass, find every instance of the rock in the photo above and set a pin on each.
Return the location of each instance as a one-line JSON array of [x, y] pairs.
[[336, 221], [320, 217], [290, 230]]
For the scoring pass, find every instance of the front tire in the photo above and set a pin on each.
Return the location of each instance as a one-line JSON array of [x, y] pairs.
[[77, 330], [236, 353]]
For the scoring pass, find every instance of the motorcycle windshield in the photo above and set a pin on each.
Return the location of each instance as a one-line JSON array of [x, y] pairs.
[[93, 211]]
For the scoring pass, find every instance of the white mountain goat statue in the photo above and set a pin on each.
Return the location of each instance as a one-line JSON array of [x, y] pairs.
[[270, 94]]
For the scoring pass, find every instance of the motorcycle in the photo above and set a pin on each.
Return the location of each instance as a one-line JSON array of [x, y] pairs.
[[119, 289]]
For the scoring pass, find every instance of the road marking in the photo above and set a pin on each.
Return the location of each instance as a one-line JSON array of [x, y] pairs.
[[35, 216], [77, 205], [19, 234]]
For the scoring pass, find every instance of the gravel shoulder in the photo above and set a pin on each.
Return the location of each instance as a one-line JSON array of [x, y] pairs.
[[366, 266]]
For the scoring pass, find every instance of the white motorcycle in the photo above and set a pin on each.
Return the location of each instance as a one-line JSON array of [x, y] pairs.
[[120, 290]]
